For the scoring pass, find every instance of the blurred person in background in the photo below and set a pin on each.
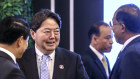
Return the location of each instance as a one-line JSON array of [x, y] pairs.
[[95, 62]]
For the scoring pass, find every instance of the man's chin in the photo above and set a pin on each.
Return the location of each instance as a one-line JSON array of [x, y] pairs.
[[51, 49]]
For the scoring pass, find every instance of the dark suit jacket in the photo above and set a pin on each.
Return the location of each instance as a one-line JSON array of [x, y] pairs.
[[73, 66], [8, 68], [127, 65], [93, 65]]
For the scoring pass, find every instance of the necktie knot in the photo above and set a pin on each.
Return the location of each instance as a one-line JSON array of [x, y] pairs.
[[44, 57], [103, 59]]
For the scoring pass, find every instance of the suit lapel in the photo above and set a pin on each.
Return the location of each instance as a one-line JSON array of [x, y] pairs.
[[100, 66], [59, 65], [117, 61], [98, 62], [31, 64]]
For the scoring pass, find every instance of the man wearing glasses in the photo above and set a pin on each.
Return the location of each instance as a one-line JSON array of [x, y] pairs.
[[46, 60], [126, 28]]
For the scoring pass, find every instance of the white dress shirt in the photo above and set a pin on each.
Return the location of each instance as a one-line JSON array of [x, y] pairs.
[[129, 40], [50, 62], [100, 56], [9, 53]]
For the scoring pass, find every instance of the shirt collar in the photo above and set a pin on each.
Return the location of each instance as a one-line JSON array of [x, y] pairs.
[[99, 55], [9, 53], [39, 53], [129, 40]]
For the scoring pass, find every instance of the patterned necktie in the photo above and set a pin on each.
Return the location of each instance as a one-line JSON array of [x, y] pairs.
[[44, 72], [105, 66]]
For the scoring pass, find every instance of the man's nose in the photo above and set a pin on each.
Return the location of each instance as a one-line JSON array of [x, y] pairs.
[[111, 41], [52, 35]]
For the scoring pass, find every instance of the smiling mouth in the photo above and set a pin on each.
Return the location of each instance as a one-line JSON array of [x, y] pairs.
[[50, 43]]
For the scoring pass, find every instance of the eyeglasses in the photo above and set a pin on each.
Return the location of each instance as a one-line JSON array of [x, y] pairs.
[[110, 23], [49, 31]]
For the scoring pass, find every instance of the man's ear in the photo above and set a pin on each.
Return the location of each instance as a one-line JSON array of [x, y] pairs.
[[32, 33], [19, 41], [123, 28], [94, 39]]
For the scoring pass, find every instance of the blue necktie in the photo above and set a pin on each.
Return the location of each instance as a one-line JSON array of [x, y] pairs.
[[17, 66], [44, 73]]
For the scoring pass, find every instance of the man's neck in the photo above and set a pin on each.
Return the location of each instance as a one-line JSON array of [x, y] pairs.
[[128, 35], [9, 48]]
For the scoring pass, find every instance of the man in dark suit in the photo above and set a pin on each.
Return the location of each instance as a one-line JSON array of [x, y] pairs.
[[14, 34], [100, 35], [61, 63], [126, 28]]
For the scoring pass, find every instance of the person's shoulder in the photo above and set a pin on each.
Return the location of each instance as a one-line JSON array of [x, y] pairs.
[[66, 51], [6, 64], [86, 52], [29, 50], [9, 69], [28, 53], [67, 55]]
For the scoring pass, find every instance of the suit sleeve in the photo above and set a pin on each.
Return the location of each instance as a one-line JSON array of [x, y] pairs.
[[81, 73], [9, 71], [130, 66], [16, 74]]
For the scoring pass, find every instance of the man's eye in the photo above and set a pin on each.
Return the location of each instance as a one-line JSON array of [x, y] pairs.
[[56, 31], [108, 37], [47, 32]]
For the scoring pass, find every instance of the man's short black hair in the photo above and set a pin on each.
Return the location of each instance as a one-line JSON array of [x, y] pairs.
[[41, 16], [94, 29], [11, 28], [129, 15]]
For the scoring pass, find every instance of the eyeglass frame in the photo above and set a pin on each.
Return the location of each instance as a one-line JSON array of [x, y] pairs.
[[56, 31], [111, 23]]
